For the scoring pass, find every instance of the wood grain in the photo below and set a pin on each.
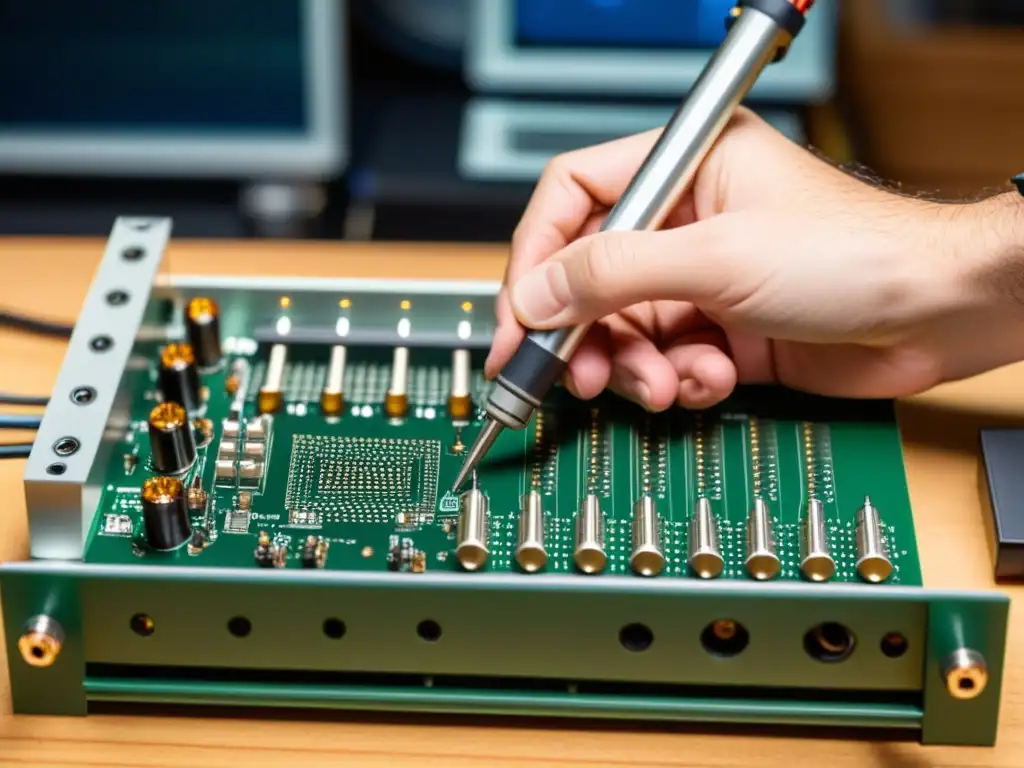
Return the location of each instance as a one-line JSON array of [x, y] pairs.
[[50, 277]]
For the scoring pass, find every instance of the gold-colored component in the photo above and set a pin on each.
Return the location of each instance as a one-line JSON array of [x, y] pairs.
[[460, 407], [279, 556], [202, 309], [197, 498], [41, 642], [244, 501], [724, 629], [755, 456], [447, 526], [406, 304], [271, 395], [345, 303], [231, 384], [467, 306], [458, 446], [395, 406], [460, 400], [367, 552], [419, 561], [205, 428], [873, 563], [177, 356], [168, 417], [331, 403], [286, 302], [269, 401], [161, 490], [263, 540], [966, 674]]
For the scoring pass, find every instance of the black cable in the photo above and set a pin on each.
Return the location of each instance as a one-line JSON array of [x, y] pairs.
[[19, 322], [15, 450], [10, 398]]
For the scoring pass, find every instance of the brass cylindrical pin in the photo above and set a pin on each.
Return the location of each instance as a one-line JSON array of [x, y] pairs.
[[762, 560], [332, 399], [271, 395], [705, 547], [647, 558], [172, 442], [531, 553], [590, 556], [396, 402], [816, 561], [873, 563], [471, 533], [460, 403], [202, 324], [178, 376]]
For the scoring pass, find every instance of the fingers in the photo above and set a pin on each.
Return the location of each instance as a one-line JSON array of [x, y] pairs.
[[706, 375], [590, 368], [508, 335], [709, 262], [641, 373]]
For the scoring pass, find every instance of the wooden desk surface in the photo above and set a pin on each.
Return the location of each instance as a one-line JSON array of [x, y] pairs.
[[50, 277]]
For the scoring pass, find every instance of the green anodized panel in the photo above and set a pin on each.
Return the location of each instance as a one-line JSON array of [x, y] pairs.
[[359, 480]]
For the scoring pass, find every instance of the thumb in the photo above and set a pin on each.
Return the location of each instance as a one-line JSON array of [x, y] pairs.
[[601, 274]]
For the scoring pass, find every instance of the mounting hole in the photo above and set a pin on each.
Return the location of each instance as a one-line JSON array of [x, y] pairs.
[[66, 446], [894, 645], [334, 628], [142, 624], [636, 637], [725, 637], [429, 630], [240, 626], [133, 253], [100, 343], [83, 395], [57, 468], [117, 298], [830, 642]]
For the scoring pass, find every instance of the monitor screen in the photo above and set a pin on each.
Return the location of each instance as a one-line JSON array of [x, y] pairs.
[[179, 84], [648, 24]]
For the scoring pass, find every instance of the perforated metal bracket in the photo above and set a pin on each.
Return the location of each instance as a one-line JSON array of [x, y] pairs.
[[88, 410]]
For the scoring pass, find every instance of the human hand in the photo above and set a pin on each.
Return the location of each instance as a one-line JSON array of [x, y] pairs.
[[775, 267]]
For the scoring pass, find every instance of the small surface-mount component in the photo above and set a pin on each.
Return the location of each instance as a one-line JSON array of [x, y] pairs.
[[271, 395], [705, 547], [226, 472], [303, 517], [164, 513], [203, 432], [178, 376], [762, 562], [471, 533], [816, 562], [237, 521], [264, 553], [1002, 495], [419, 561], [531, 553], [458, 447], [237, 385], [229, 430], [255, 451], [589, 554], [228, 449], [250, 473], [279, 554], [131, 460], [244, 501], [196, 496], [314, 552], [873, 564], [171, 442], [460, 402], [256, 430], [117, 525], [198, 542], [393, 558], [396, 401], [647, 557], [202, 324], [332, 398]]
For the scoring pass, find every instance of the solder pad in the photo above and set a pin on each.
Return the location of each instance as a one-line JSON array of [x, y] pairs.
[[360, 475]]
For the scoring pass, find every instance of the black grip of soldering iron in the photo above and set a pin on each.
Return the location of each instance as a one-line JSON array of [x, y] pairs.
[[533, 370]]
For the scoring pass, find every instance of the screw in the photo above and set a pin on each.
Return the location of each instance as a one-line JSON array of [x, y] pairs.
[[83, 395], [117, 298], [133, 253], [100, 343]]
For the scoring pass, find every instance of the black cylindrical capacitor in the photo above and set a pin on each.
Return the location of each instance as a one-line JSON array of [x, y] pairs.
[[202, 319], [179, 376], [172, 443], [165, 513]]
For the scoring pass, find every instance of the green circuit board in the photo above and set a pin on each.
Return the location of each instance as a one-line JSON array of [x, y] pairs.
[[365, 483]]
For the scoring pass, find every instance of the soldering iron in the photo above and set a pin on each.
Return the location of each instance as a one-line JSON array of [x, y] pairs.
[[759, 33]]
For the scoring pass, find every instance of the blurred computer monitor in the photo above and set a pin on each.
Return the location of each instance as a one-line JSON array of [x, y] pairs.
[[241, 89], [630, 47]]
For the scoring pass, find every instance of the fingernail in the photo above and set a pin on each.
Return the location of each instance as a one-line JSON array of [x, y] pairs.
[[533, 298]]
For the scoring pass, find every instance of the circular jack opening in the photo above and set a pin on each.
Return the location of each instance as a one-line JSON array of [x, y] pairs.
[[429, 630], [829, 642], [636, 637], [57, 468], [334, 628], [240, 626], [725, 637], [142, 625], [66, 446], [83, 395], [894, 645]]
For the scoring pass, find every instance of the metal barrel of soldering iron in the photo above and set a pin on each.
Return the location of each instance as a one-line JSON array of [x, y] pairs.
[[760, 31]]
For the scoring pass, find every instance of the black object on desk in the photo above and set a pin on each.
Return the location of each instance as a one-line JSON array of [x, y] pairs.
[[1002, 496]]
